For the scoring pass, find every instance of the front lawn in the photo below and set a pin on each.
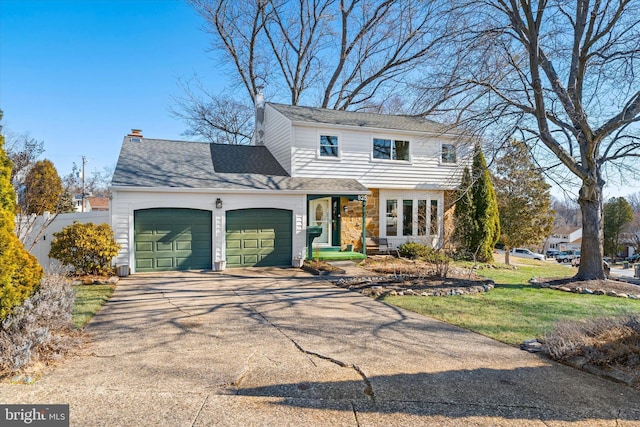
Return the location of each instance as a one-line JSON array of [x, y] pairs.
[[89, 300], [515, 310]]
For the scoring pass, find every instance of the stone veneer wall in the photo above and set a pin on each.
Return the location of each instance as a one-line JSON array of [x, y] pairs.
[[351, 225], [449, 208]]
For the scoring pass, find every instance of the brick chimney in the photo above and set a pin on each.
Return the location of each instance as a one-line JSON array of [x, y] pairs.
[[136, 133]]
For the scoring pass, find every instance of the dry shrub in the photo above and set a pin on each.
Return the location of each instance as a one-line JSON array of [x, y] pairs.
[[40, 329], [606, 341]]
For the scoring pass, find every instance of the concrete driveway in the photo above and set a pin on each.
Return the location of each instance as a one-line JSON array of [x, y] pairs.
[[278, 347]]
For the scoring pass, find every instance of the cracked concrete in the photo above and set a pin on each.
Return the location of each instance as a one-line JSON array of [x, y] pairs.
[[278, 347]]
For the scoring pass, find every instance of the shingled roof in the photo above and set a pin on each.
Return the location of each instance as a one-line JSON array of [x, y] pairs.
[[359, 119], [145, 162]]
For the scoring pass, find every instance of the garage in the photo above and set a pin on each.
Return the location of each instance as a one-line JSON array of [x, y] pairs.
[[169, 239], [258, 237]]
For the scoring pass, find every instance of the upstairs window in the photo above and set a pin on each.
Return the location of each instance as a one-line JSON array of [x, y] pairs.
[[449, 153], [389, 149], [328, 146]]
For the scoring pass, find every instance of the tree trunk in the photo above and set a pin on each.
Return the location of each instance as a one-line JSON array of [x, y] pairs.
[[506, 255], [590, 201]]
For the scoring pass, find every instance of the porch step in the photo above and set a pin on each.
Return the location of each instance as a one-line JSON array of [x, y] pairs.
[[332, 255]]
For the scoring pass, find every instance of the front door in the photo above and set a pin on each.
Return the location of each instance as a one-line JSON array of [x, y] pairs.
[[320, 216]]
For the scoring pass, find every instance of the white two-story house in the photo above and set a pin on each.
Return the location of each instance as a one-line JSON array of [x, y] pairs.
[[190, 205]]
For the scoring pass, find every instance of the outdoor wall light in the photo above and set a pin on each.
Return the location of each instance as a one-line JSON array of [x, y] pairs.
[[218, 203], [345, 208]]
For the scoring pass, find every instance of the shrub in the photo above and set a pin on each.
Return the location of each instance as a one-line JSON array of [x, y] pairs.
[[437, 258], [40, 328], [602, 341], [20, 273], [87, 247], [413, 250]]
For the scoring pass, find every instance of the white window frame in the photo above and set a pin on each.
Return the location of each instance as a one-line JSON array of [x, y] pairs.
[[455, 147], [415, 196], [318, 149], [391, 159]]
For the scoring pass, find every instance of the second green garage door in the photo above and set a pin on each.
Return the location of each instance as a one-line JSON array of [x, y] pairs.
[[258, 237], [172, 239]]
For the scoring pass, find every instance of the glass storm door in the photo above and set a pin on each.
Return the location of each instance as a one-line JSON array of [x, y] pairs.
[[320, 216]]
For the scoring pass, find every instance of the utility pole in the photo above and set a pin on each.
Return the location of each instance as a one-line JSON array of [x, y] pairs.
[[84, 162]]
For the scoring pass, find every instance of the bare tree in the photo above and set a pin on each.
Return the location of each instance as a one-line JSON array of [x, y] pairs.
[[567, 213], [338, 54], [23, 150], [215, 117], [562, 74]]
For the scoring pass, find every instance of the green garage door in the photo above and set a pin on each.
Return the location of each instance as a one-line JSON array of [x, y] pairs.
[[172, 239], [258, 238]]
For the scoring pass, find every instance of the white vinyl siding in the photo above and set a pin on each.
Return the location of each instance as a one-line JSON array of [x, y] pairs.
[[424, 171], [278, 136]]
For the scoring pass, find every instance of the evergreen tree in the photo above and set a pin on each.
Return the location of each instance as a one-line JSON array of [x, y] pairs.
[[486, 213], [463, 214], [617, 214], [524, 200], [20, 272], [43, 189], [477, 219]]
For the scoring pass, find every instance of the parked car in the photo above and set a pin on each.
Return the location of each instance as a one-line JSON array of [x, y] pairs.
[[551, 253], [605, 264], [566, 256], [633, 258], [526, 253]]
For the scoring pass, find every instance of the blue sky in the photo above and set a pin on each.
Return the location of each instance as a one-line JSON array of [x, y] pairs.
[[80, 74]]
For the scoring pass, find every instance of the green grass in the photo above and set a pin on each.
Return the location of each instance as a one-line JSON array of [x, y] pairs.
[[89, 300], [515, 311]]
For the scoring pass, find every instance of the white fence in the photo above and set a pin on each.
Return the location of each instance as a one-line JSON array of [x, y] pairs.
[[37, 232]]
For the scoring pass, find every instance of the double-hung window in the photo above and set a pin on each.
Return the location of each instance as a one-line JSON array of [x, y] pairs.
[[449, 153], [329, 146], [390, 149]]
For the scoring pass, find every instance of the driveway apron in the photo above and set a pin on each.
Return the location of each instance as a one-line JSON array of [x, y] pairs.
[[278, 347]]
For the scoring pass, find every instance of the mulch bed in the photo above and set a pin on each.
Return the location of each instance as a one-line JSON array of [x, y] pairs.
[[456, 283], [607, 287]]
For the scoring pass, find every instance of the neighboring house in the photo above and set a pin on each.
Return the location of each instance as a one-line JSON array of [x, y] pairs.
[[565, 239], [97, 203], [190, 205], [91, 203], [78, 203]]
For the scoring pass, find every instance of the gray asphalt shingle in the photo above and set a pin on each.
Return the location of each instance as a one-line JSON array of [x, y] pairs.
[[145, 162], [359, 119]]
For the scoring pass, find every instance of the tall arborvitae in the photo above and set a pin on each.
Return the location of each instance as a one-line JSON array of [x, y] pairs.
[[486, 213], [476, 214], [20, 272]]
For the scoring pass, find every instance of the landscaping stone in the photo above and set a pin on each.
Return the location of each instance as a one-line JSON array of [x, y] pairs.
[[532, 346], [399, 286]]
